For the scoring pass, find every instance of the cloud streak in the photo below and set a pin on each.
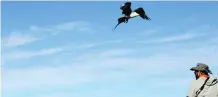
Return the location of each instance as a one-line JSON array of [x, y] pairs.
[[170, 39], [27, 54], [202, 31], [18, 55], [79, 26], [177, 38], [90, 45], [106, 66], [35, 33], [18, 39]]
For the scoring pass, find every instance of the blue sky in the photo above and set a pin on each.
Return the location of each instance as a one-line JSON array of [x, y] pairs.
[[68, 49]]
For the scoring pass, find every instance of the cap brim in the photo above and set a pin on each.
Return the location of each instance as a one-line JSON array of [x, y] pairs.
[[210, 72], [193, 69]]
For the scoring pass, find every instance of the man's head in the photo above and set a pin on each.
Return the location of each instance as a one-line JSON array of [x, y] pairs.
[[201, 70]]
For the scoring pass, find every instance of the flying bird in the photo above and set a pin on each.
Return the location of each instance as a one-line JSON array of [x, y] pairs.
[[128, 13]]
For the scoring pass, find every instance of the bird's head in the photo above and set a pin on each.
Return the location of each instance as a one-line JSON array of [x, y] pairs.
[[122, 6]]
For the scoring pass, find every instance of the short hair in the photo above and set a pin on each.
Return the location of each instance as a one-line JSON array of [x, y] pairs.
[[204, 72]]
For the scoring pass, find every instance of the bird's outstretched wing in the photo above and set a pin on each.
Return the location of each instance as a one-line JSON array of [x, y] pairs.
[[120, 20], [140, 11]]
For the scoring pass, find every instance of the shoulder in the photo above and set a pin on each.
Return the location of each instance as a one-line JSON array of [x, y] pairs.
[[194, 82], [195, 85], [192, 89]]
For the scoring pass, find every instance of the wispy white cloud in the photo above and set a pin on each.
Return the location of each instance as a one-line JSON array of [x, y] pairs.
[[103, 54], [103, 66], [17, 55], [177, 38], [17, 39], [26, 54], [202, 31], [186, 36], [62, 27], [35, 33], [89, 45], [106, 66], [80, 26], [63, 75]]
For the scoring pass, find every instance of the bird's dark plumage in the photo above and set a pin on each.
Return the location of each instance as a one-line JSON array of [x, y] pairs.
[[142, 13], [126, 8], [128, 13], [121, 20]]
